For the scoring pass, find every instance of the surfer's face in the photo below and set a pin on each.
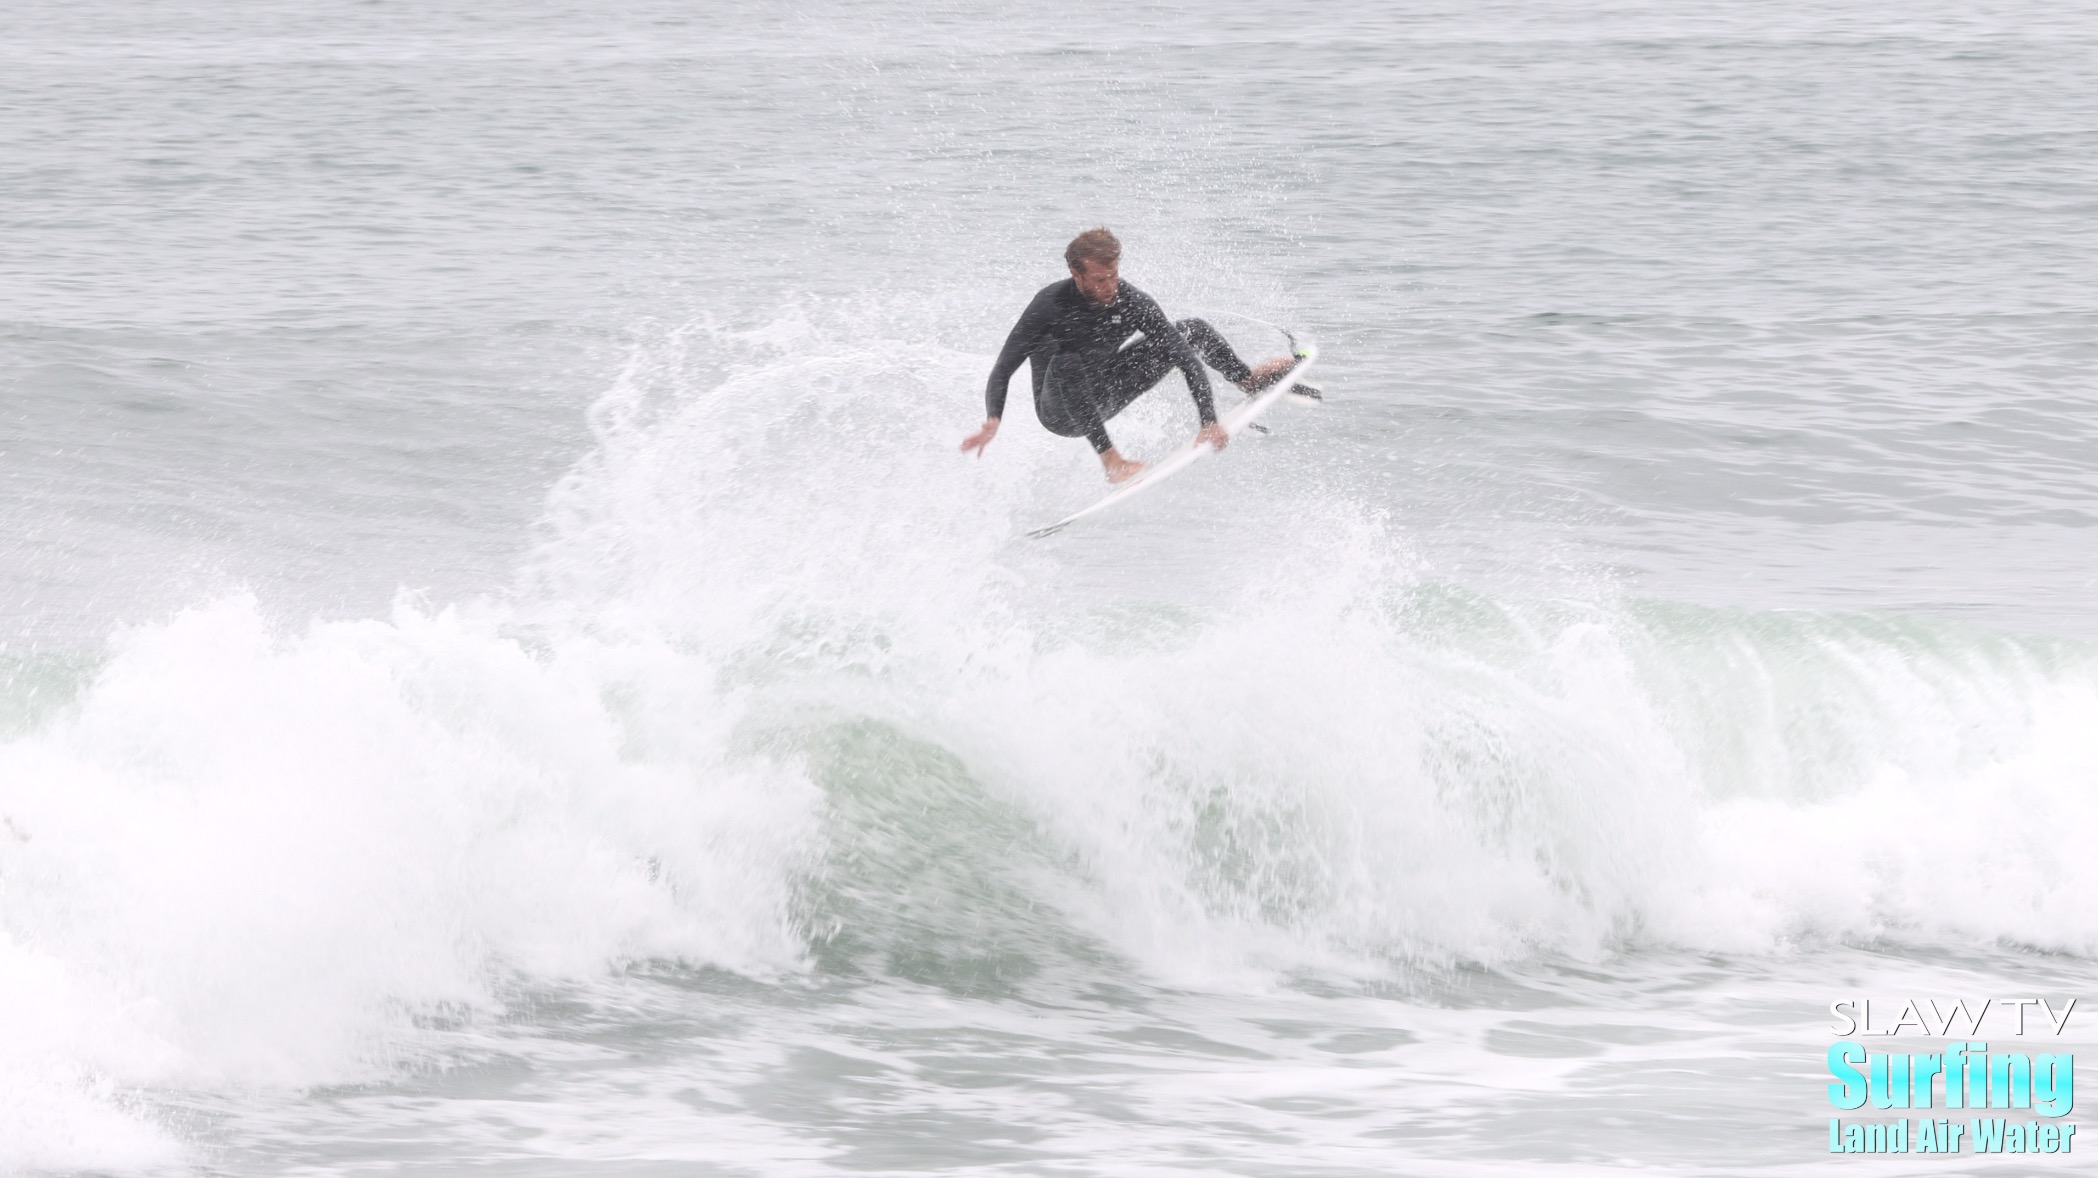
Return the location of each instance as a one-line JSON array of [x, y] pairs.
[[1097, 280]]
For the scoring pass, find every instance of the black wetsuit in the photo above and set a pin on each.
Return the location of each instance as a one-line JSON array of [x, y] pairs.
[[1083, 375]]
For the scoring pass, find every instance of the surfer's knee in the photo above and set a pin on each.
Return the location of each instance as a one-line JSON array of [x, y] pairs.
[[1061, 426], [1065, 421]]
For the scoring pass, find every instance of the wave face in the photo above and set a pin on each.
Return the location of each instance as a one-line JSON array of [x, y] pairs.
[[781, 695]]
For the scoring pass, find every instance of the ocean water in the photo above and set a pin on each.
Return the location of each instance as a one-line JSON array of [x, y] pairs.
[[504, 671]]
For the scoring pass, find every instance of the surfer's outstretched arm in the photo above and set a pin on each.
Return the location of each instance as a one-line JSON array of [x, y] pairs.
[[1020, 343]]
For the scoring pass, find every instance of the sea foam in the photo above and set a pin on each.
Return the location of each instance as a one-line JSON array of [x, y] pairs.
[[781, 691]]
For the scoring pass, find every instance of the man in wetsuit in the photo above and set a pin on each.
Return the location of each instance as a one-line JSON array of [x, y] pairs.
[[1074, 332]]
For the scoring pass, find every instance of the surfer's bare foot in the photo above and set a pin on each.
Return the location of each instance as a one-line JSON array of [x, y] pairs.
[[1120, 469], [1266, 372]]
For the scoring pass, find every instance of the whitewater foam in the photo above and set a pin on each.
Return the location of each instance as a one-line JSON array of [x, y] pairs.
[[257, 858], [781, 694]]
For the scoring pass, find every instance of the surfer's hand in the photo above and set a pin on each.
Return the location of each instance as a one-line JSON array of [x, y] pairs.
[[981, 438], [1214, 434]]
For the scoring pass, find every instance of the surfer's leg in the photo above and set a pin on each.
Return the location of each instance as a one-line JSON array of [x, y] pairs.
[[1066, 405], [1136, 369], [1214, 350], [1067, 402], [1129, 374], [1217, 353], [1133, 371]]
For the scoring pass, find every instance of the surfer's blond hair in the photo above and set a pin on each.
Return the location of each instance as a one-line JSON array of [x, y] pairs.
[[1098, 244]]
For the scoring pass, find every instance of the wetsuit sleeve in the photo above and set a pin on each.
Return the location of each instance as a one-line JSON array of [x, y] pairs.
[[1020, 343], [1148, 319]]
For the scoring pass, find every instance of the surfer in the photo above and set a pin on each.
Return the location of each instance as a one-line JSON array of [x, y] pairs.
[[1074, 334]]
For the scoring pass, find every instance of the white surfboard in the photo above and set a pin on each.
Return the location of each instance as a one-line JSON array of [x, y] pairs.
[[1234, 421]]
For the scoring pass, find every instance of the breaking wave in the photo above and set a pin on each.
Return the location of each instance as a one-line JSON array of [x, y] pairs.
[[782, 693]]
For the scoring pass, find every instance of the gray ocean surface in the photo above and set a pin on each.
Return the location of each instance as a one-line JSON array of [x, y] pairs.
[[504, 671]]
